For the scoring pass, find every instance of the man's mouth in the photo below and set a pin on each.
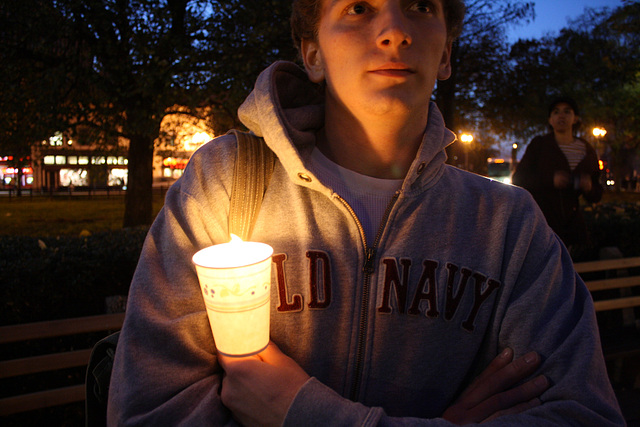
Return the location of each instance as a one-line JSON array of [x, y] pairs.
[[393, 69]]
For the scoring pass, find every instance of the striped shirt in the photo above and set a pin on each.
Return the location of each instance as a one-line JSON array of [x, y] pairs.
[[574, 152]]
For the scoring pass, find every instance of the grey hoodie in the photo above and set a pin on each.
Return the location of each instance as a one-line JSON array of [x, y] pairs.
[[392, 330]]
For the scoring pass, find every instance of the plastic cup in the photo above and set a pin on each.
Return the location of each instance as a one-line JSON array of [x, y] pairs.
[[235, 279]]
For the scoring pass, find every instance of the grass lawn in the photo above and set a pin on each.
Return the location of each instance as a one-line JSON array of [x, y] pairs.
[[42, 216]]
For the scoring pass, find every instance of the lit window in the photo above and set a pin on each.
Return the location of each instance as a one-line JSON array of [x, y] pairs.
[[83, 160], [49, 160], [56, 140], [75, 177], [72, 160], [111, 160], [117, 177], [166, 172], [61, 160]]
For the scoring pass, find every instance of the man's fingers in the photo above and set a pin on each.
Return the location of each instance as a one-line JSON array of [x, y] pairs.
[[514, 399], [499, 362], [230, 362], [271, 354], [503, 379]]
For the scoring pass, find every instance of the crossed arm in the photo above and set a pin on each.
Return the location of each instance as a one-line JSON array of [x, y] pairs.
[[259, 389]]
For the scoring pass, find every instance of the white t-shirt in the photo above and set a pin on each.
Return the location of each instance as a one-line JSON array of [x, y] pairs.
[[367, 196]]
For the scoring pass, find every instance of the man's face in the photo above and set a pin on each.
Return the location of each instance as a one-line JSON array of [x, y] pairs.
[[562, 118], [379, 56]]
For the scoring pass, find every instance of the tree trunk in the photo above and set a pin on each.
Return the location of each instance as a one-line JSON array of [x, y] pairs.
[[138, 198], [19, 180]]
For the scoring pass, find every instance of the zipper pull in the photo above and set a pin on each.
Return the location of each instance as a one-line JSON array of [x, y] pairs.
[[369, 265]]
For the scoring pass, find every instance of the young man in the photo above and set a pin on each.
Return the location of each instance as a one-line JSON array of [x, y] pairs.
[[397, 279]]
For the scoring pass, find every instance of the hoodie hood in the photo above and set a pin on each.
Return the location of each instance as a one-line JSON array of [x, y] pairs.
[[287, 110]]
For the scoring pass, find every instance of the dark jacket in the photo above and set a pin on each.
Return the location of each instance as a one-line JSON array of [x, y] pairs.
[[561, 207]]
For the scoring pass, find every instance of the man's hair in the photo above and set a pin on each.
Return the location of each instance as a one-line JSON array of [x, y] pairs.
[[305, 19]]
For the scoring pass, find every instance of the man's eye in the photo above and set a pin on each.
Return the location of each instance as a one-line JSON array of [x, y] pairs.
[[422, 7], [357, 9]]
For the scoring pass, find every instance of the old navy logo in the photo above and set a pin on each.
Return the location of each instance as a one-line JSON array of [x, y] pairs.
[[395, 287]]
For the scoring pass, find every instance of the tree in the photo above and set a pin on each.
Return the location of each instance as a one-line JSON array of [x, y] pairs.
[[24, 73], [476, 57], [595, 60], [119, 66], [246, 37]]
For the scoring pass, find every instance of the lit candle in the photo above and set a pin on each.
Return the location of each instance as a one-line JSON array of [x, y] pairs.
[[235, 279]]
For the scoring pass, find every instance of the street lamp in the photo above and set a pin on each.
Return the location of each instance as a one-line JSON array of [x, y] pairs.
[[466, 139], [599, 133]]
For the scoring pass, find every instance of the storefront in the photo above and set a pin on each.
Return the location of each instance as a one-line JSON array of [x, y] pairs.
[[10, 174]]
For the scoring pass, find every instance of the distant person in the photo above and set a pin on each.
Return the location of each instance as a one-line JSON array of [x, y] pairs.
[[558, 168]]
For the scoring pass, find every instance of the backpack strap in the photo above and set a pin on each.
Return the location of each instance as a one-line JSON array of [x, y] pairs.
[[254, 165], [97, 380]]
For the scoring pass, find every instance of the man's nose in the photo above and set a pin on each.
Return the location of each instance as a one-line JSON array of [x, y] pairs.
[[394, 27]]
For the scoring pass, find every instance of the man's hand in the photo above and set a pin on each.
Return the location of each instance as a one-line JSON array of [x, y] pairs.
[[492, 394], [585, 183], [259, 389], [561, 179]]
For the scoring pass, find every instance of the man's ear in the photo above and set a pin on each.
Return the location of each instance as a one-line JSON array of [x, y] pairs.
[[312, 59], [444, 70]]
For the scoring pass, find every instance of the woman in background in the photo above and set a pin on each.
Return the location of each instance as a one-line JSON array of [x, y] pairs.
[[559, 167]]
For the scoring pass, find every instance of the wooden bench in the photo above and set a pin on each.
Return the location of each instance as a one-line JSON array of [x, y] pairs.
[[50, 362], [614, 286]]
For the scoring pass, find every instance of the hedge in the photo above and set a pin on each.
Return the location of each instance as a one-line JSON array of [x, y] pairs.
[[62, 277]]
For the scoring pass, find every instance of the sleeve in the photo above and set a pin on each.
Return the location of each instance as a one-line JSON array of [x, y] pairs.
[[165, 369], [548, 309], [529, 174]]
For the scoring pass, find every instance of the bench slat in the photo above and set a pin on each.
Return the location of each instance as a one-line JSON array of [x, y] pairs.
[[57, 328], [612, 304], [617, 283], [44, 363], [41, 399], [607, 264]]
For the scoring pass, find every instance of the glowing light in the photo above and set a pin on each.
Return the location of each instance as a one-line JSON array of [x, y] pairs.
[[466, 138], [599, 132], [235, 279], [195, 141]]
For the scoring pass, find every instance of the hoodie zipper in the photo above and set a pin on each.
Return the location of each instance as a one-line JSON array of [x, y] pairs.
[[368, 268]]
